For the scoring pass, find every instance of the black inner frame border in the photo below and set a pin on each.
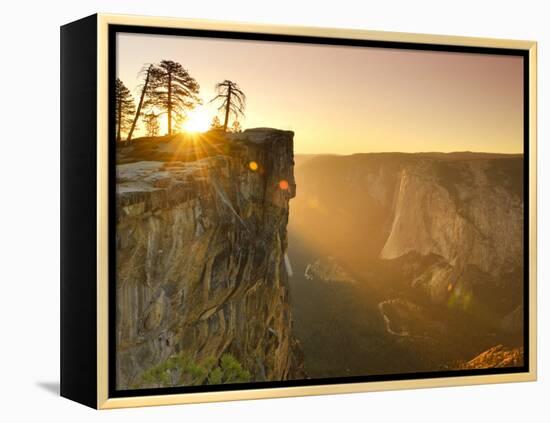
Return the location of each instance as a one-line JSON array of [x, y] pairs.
[[284, 38]]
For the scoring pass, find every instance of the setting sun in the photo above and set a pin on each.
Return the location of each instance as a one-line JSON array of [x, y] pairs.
[[198, 120]]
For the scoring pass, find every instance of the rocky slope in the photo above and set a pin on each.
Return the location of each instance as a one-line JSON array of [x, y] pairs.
[[200, 253], [498, 356], [328, 270]]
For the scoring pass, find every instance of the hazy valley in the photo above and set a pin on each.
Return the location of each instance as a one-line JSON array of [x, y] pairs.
[[406, 262]]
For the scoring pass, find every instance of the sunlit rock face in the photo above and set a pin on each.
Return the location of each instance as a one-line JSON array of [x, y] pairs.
[[471, 221], [451, 218], [200, 250], [495, 357], [465, 214]]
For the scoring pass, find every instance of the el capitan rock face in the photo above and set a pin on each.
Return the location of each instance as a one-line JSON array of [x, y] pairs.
[[463, 210], [456, 211], [201, 244]]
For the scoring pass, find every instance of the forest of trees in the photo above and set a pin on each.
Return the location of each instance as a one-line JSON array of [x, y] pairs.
[[168, 89]]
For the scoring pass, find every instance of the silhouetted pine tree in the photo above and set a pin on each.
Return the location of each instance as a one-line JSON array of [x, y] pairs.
[[216, 125], [146, 72], [232, 100], [152, 125], [236, 127], [124, 108], [173, 90]]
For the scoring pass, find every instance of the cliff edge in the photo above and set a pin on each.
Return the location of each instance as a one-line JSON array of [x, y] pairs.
[[200, 259]]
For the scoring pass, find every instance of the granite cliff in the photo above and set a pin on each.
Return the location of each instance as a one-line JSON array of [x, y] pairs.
[[461, 213], [200, 258], [444, 216]]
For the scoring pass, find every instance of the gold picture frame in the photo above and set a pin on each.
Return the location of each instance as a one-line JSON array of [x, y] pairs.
[[96, 34]]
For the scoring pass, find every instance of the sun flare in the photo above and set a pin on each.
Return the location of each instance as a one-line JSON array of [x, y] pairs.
[[198, 120]]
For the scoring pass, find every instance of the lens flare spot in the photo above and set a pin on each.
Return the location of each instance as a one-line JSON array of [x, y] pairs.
[[253, 166], [283, 184]]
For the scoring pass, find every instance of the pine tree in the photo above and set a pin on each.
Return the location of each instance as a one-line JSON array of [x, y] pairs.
[[216, 125], [146, 71], [124, 108], [236, 127], [173, 91], [232, 99], [152, 125]]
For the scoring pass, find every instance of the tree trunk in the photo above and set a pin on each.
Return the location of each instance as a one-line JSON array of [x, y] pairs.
[[119, 118], [169, 104], [226, 121], [141, 98]]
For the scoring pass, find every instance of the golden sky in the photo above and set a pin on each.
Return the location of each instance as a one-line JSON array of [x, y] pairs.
[[345, 100]]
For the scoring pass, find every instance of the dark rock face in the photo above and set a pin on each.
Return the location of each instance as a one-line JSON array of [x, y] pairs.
[[201, 248]]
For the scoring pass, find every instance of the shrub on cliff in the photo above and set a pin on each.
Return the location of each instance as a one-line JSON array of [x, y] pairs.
[[229, 371], [182, 370]]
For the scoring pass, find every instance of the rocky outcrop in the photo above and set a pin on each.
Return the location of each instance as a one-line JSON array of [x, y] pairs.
[[327, 269], [200, 257], [498, 356]]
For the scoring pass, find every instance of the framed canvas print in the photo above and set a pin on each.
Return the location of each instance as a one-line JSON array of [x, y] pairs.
[[262, 211]]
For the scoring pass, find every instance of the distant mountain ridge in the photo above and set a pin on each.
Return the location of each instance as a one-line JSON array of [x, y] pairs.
[[459, 155]]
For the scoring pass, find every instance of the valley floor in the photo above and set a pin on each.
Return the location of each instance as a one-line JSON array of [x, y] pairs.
[[370, 327]]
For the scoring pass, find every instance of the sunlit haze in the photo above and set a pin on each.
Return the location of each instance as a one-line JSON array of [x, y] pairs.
[[198, 120], [344, 100]]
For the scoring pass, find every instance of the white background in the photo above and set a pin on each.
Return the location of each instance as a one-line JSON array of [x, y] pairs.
[[29, 209]]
